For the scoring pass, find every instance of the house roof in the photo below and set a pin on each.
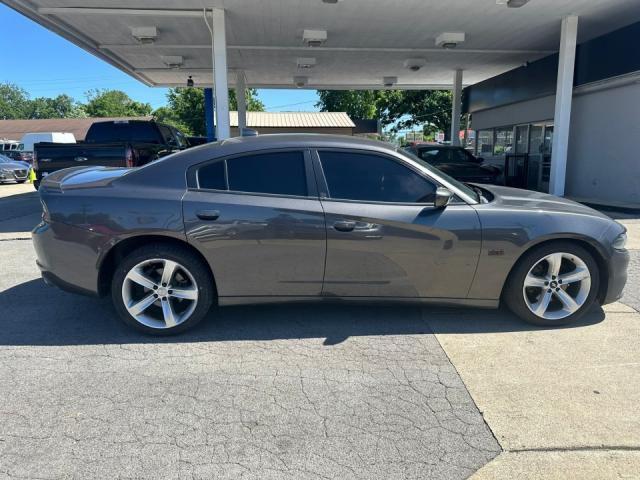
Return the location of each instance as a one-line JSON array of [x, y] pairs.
[[15, 129], [295, 119]]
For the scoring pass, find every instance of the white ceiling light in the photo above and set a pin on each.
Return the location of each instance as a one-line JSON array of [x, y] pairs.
[[314, 38], [512, 3], [145, 35], [173, 61], [306, 63], [450, 39], [389, 81], [300, 81], [414, 64]]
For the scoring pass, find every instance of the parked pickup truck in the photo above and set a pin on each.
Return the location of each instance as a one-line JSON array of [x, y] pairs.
[[120, 143]]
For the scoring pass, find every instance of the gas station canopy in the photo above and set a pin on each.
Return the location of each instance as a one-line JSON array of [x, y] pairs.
[[408, 44]]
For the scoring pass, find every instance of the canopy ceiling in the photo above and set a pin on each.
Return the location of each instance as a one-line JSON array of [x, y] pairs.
[[366, 39]]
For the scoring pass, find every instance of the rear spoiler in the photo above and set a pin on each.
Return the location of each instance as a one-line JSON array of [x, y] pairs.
[[53, 181], [75, 178]]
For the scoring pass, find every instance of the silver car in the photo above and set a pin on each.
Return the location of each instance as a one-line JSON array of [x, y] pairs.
[[282, 218], [13, 170]]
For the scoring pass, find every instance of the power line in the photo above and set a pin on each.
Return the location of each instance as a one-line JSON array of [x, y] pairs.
[[290, 104]]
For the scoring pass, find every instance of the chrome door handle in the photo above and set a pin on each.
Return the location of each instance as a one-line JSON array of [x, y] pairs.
[[210, 215], [344, 226], [81, 159]]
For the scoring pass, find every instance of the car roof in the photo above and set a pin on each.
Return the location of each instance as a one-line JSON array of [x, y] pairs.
[[236, 145], [305, 139]]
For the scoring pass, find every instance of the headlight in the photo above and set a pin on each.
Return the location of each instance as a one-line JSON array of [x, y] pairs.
[[621, 241]]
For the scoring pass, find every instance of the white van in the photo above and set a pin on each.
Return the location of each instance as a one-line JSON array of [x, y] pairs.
[[30, 139]]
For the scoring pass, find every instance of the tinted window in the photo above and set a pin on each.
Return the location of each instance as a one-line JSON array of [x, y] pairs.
[[167, 135], [212, 176], [433, 155], [279, 173], [143, 132], [361, 176]]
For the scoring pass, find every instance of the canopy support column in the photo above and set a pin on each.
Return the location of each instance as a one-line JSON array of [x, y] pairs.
[[242, 102], [208, 115], [564, 97], [221, 87], [456, 107]]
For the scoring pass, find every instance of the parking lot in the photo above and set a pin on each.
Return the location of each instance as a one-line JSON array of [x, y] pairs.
[[298, 391]]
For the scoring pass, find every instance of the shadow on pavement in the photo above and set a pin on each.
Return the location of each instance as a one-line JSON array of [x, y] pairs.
[[32, 313]]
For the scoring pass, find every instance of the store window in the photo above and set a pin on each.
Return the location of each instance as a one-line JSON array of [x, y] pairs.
[[485, 142], [504, 141], [522, 139]]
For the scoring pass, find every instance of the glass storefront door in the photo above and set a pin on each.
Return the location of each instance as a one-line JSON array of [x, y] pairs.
[[524, 149]]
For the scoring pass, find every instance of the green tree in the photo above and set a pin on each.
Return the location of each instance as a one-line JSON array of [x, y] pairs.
[[62, 106], [185, 108], [430, 108], [367, 104], [114, 103], [251, 98], [396, 109], [14, 102]]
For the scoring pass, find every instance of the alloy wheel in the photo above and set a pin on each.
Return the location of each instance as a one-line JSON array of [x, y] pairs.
[[160, 293], [557, 286]]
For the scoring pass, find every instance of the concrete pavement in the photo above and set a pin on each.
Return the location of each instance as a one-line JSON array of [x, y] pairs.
[[563, 403], [20, 210]]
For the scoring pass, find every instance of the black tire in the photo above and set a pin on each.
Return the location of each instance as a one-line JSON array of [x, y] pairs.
[[189, 261], [513, 295], [36, 184]]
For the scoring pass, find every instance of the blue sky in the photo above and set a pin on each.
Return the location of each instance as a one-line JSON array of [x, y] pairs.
[[46, 65]]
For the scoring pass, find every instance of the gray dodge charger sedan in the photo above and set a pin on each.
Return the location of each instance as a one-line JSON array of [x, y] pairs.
[[281, 218]]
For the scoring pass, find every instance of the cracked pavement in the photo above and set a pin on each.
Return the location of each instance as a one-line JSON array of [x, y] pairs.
[[301, 392]]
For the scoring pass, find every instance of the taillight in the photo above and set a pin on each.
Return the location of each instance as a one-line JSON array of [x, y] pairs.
[[128, 158]]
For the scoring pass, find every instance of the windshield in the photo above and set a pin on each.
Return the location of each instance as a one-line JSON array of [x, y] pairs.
[[439, 173]]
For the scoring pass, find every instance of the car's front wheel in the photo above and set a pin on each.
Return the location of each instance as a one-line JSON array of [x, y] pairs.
[[554, 284], [162, 289]]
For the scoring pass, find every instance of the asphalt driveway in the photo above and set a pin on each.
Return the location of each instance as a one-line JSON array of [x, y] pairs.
[[255, 392]]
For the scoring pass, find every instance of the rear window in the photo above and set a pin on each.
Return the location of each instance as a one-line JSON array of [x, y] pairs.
[[123, 132]]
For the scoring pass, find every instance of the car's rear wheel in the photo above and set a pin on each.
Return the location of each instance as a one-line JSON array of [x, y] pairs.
[[554, 284], [162, 289]]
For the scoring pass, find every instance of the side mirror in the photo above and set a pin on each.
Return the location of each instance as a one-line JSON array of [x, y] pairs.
[[480, 159], [443, 197]]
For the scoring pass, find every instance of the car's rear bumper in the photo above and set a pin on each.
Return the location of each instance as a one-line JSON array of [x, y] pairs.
[[618, 264], [67, 257]]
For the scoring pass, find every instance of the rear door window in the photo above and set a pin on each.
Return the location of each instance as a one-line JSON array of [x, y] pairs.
[[370, 177], [213, 176], [276, 173]]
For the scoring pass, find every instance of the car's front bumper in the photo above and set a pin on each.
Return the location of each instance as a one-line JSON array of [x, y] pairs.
[[14, 175], [618, 264]]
